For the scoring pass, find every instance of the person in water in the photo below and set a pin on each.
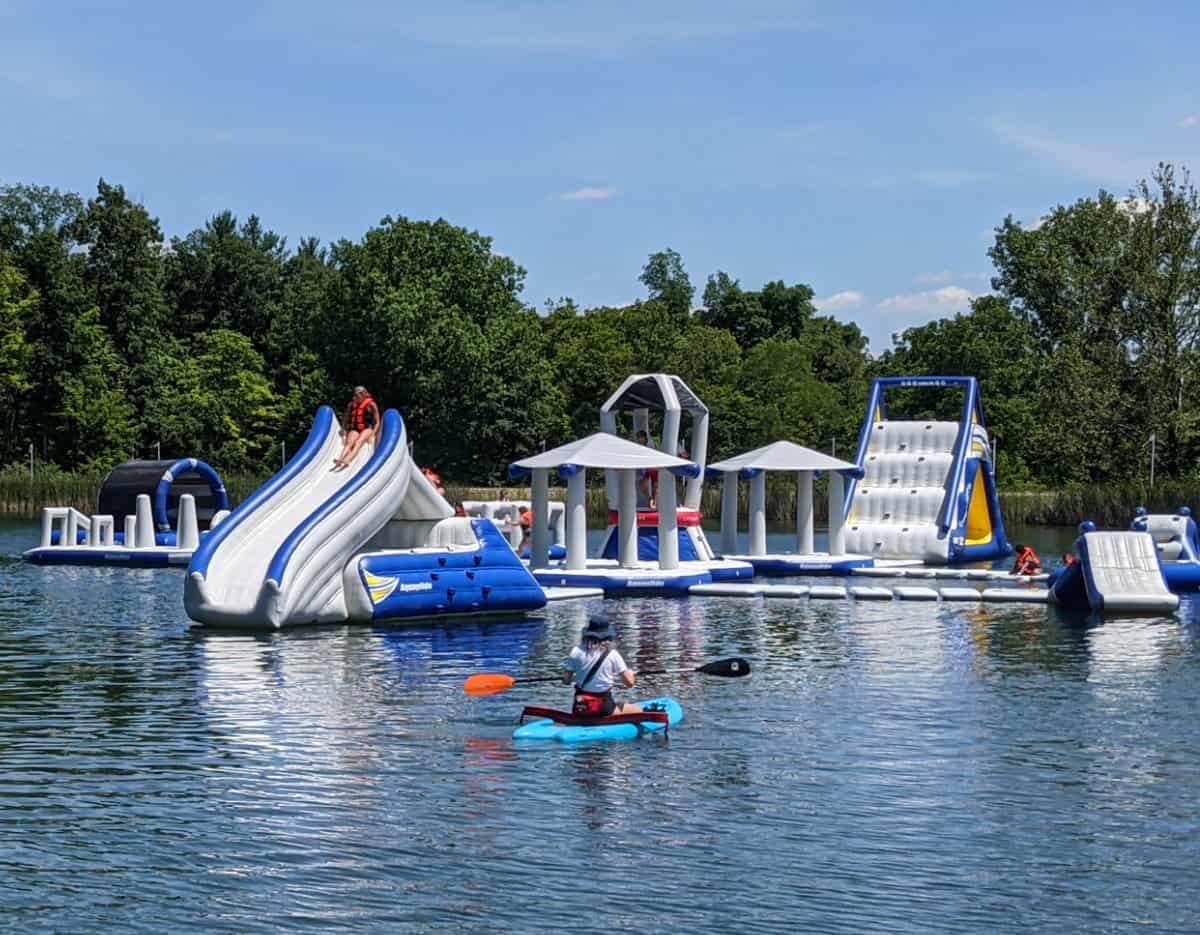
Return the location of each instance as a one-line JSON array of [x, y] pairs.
[[362, 421], [595, 667], [525, 521], [1026, 562]]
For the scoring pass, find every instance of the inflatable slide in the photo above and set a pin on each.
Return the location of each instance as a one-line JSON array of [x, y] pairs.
[[373, 542], [1116, 572], [928, 490], [1178, 543]]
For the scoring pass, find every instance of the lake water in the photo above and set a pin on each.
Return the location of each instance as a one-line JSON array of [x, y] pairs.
[[898, 767]]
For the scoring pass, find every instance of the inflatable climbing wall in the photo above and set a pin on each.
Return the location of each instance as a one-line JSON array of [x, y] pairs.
[[928, 490]]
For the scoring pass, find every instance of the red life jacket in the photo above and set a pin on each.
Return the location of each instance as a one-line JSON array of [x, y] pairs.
[[359, 414], [1027, 562]]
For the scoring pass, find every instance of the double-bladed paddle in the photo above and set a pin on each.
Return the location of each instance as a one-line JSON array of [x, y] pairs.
[[489, 683]]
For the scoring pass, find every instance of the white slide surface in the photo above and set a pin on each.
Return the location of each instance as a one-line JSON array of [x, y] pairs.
[[280, 559], [1123, 572]]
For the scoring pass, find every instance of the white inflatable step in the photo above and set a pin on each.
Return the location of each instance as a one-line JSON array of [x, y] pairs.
[[827, 592], [916, 594], [1016, 595], [866, 592], [960, 594]]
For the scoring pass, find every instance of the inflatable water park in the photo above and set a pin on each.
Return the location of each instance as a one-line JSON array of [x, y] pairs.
[[379, 542]]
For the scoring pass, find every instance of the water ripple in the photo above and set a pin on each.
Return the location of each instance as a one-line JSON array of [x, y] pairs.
[[906, 768]]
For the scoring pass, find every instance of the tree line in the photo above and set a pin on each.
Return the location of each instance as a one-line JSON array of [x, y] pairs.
[[222, 343]]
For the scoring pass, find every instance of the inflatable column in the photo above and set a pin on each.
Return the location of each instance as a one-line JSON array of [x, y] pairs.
[[539, 539], [837, 519], [627, 531], [576, 535], [804, 513], [758, 513], [668, 523], [729, 513]]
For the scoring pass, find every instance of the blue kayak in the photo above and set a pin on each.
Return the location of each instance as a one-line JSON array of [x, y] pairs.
[[565, 727]]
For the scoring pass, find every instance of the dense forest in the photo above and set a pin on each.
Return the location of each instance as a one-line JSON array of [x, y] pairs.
[[222, 343]]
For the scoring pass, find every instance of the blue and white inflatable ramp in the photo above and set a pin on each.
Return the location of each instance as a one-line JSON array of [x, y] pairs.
[[1118, 572], [372, 542]]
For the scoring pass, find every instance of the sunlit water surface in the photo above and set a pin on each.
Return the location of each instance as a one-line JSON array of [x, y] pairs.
[[900, 767]]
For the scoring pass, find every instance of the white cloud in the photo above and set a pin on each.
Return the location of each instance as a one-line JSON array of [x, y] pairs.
[[847, 299], [1135, 205], [1091, 162], [1190, 121], [944, 301], [933, 279], [589, 193]]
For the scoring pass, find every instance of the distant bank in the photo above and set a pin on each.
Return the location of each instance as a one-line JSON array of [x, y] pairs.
[[1106, 504]]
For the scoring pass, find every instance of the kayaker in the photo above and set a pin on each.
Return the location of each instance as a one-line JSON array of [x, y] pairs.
[[1027, 561], [595, 667]]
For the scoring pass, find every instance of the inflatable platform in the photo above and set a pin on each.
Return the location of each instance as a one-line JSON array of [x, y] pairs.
[[1178, 544], [151, 514], [666, 397], [1116, 572], [370, 543], [928, 488]]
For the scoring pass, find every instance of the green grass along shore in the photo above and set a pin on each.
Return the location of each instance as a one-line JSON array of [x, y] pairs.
[[1107, 504]]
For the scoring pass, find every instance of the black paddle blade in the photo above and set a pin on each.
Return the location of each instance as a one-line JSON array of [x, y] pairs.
[[731, 668]]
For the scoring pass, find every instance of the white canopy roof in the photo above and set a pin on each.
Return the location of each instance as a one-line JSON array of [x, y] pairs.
[[603, 450], [783, 456]]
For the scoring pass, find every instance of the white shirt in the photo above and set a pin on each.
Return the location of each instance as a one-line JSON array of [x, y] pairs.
[[606, 676]]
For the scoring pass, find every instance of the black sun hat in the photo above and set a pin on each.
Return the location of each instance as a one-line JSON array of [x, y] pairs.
[[599, 629]]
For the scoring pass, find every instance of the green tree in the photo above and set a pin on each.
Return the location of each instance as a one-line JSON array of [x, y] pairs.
[[124, 268], [99, 421], [591, 356], [777, 311], [667, 282], [214, 400], [226, 276], [1164, 310], [17, 303], [36, 237]]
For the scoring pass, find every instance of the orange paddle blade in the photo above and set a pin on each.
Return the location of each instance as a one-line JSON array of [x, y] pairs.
[[488, 683]]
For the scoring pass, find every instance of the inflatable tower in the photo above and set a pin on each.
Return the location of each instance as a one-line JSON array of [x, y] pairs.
[[928, 489]]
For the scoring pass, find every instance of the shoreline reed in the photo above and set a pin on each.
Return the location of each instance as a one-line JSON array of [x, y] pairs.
[[1108, 505]]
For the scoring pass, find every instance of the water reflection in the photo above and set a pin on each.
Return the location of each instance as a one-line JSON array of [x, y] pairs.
[[973, 765]]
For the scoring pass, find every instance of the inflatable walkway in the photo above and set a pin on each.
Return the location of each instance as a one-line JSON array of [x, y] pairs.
[[928, 490], [373, 542], [1115, 572]]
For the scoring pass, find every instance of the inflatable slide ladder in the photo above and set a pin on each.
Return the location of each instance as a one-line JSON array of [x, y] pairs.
[[928, 489]]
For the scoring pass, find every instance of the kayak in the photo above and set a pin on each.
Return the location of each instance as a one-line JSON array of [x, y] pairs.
[[568, 728]]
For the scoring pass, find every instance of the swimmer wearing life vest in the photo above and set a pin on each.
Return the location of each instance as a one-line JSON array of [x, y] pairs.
[[1026, 562], [361, 424]]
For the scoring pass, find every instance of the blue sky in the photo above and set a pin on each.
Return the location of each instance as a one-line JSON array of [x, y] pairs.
[[866, 149]]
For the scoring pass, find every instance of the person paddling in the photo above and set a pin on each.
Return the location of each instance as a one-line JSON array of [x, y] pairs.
[[595, 667], [362, 420]]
